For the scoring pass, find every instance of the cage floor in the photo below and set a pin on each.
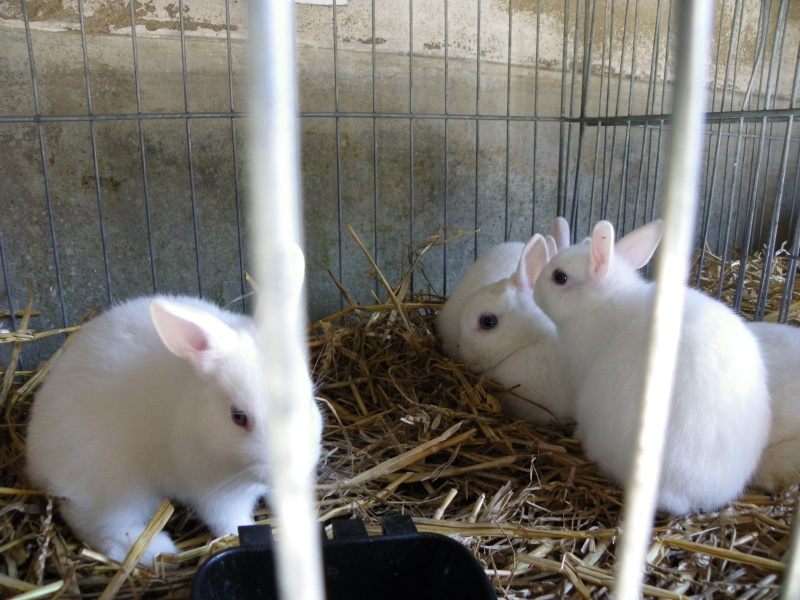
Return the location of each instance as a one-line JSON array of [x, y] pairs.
[[410, 431]]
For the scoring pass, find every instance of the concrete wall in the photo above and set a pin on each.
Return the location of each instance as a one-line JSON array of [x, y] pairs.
[[394, 179]]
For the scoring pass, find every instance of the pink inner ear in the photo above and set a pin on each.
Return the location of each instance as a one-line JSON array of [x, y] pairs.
[[198, 341], [597, 260], [191, 335], [638, 247], [197, 344], [602, 249], [187, 340], [534, 257]]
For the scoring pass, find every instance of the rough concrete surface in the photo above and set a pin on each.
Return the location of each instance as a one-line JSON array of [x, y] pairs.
[[145, 216]]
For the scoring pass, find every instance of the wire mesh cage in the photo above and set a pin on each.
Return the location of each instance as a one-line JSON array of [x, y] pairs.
[[123, 145], [413, 117], [124, 129]]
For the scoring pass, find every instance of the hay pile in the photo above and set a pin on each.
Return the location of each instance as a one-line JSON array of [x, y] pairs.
[[409, 431], [721, 279]]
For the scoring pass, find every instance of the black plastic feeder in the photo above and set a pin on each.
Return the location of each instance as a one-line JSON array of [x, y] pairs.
[[402, 564]]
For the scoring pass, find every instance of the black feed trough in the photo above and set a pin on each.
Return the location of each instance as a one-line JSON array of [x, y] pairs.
[[401, 564]]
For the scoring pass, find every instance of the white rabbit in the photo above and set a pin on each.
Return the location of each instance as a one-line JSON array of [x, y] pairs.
[[720, 414], [505, 336], [497, 263], [780, 462], [499, 331], [158, 397]]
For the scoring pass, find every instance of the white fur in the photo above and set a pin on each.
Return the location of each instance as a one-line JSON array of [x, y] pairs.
[[521, 351], [720, 413], [496, 264], [780, 346], [138, 408], [499, 262], [559, 231]]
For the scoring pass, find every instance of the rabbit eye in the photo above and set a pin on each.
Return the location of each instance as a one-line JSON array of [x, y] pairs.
[[559, 277], [239, 417], [487, 321]]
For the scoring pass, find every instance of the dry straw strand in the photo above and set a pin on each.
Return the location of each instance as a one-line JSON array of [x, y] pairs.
[[154, 527], [8, 378], [409, 426]]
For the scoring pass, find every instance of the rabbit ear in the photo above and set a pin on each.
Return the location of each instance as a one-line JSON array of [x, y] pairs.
[[534, 257], [552, 246], [638, 247], [602, 249], [560, 232], [191, 334]]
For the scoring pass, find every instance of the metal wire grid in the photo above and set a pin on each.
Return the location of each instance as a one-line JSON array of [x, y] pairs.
[[609, 155], [16, 295], [725, 121], [753, 129]]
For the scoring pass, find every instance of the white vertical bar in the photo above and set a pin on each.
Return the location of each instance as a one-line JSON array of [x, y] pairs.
[[790, 590], [275, 234], [680, 200]]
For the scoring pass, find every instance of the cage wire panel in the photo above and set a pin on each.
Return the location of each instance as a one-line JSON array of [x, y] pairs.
[[123, 127]]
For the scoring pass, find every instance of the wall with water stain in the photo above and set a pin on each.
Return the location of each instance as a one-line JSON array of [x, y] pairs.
[[104, 209]]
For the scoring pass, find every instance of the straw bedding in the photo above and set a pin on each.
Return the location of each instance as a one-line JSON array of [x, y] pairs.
[[410, 431]]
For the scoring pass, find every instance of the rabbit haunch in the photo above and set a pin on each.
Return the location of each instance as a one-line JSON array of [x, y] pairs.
[[720, 413], [158, 397], [780, 462]]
